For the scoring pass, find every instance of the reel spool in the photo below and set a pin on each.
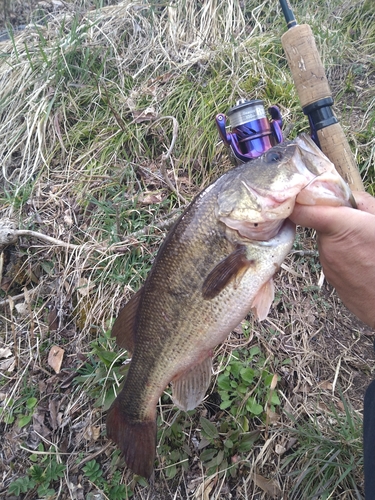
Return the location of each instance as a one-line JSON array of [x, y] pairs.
[[252, 134]]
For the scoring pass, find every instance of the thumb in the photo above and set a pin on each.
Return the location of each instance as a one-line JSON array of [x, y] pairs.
[[324, 219], [365, 201]]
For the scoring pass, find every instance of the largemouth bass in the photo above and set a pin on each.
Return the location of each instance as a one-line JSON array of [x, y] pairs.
[[214, 267]]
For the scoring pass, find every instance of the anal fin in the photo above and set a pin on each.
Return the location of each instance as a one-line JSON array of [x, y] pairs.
[[189, 389], [263, 300]]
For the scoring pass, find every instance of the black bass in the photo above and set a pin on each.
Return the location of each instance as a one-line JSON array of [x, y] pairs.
[[214, 267]]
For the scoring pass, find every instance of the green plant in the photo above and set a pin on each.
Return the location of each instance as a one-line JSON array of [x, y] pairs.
[[244, 385], [111, 487], [224, 446], [21, 410], [246, 393], [40, 478], [328, 457], [173, 445], [101, 372]]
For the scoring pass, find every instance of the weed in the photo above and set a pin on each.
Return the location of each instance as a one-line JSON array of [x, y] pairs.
[[20, 410], [100, 374], [40, 478], [173, 447], [224, 447], [328, 458], [112, 488], [244, 385]]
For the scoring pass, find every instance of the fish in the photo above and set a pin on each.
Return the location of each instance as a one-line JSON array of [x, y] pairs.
[[215, 266]]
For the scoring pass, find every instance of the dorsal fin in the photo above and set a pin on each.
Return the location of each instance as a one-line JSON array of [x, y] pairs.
[[263, 300], [232, 267], [124, 327], [189, 389]]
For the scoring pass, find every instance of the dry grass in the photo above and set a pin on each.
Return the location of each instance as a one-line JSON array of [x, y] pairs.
[[106, 129]]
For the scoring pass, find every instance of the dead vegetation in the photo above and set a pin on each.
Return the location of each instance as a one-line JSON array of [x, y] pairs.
[[106, 129]]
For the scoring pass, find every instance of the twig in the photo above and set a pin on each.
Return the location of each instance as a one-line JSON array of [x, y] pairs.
[[91, 456], [13, 234], [166, 156], [305, 253], [10, 235], [15, 298], [166, 224]]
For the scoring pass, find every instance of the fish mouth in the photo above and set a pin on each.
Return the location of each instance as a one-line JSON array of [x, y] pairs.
[[255, 231]]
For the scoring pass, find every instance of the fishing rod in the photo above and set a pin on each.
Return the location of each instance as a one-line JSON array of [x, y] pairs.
[[316, 97]]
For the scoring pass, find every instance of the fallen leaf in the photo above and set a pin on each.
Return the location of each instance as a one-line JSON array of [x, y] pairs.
[[145, 115], [323, 407], [55, 358], [280, 450], [22, 309], [151, 198], [68, 220], [84, 286], [42, 386], [5, 285], [53, 407], [38, 423], [53, 320], [92, 433], [5, 352], [326, 385], [267, 485], [341, 406], [272, 416], [205, 489], [7, 365]]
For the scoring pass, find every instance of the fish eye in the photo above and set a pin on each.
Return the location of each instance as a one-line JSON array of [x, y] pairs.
[[273, 156]]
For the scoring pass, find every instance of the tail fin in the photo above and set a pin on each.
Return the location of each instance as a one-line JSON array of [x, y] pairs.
[[136, 439]]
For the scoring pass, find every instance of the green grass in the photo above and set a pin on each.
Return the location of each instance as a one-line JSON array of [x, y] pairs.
[[327, 459]]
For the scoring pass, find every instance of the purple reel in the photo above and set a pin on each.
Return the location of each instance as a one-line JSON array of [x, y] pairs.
[[251, 132]]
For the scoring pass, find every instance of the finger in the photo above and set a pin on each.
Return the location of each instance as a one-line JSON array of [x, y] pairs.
[[322, 218], [365, 201]]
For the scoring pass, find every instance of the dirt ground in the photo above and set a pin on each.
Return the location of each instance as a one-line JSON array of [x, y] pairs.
[[18, 13]]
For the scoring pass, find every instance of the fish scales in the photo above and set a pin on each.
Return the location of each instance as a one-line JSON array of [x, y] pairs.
[[215, 265], [173, 287]]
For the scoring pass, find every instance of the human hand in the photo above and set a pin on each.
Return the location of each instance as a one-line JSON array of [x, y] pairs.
[[346, 241]]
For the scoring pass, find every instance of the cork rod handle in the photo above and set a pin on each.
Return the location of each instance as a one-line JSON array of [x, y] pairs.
[[312, 85]]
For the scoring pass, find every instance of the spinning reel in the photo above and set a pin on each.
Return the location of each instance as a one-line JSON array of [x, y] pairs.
[[252, 133]]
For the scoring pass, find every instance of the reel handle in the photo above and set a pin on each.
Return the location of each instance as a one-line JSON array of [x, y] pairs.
[[316, 97]]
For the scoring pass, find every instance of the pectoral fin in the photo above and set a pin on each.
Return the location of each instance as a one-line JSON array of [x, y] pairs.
[[124, 326], [263, 300], [189, 389], [232, 267]]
